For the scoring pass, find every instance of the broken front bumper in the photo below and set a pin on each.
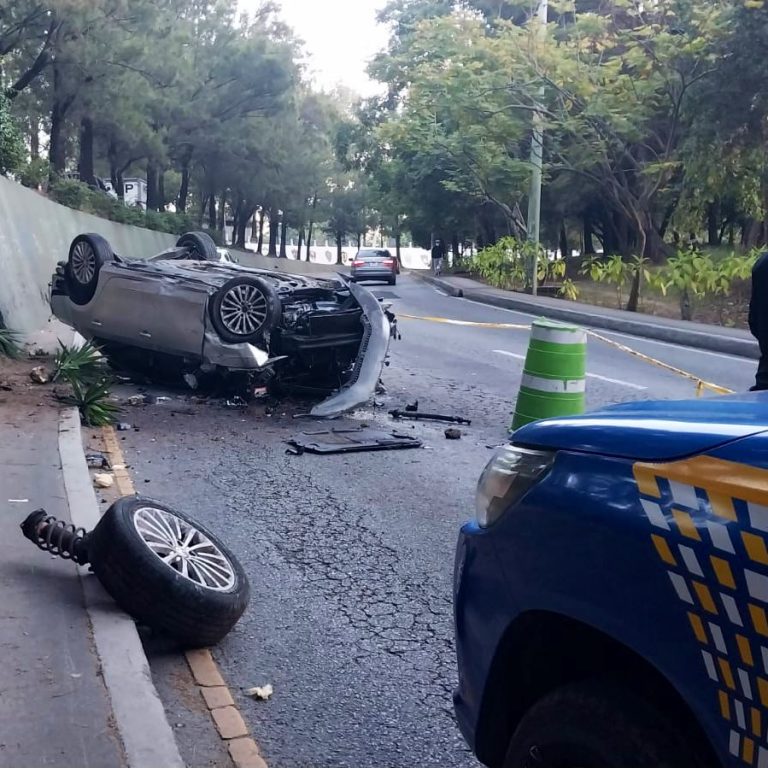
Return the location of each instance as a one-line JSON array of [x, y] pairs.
[[370, 359]]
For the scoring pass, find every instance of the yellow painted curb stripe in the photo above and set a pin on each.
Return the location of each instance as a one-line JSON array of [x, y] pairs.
[[243, 750]]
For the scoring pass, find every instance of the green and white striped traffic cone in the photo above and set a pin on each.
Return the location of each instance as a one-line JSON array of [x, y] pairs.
[[554, 374]]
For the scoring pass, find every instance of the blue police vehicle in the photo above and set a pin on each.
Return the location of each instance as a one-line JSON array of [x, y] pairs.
[[611, 596]]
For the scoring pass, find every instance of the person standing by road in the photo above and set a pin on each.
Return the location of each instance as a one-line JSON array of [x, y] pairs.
[[438, 254], [758, 318]]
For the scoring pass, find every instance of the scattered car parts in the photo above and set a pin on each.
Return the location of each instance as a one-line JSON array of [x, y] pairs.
[[188, 313], [159, 565], [415, 415], [353, 440]]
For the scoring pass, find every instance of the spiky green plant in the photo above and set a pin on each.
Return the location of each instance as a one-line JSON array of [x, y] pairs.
[[10, 343], [76, 364], [92, 400]]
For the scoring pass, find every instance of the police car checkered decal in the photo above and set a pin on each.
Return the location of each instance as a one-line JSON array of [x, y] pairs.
[[710, 530]]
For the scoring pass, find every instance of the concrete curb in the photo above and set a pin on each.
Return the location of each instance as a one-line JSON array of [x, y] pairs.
[[633, 325], [139, 714]]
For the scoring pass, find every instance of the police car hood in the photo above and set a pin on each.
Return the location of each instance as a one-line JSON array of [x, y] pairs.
[[654, 430]]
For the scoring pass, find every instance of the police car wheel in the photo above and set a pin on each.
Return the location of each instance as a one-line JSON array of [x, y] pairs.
[[596, 724]]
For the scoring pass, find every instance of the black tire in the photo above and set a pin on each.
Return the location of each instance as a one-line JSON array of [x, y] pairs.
[[393, 281], [87, 255], [200, 244], [597, 724], [156, 593], [244, 309]]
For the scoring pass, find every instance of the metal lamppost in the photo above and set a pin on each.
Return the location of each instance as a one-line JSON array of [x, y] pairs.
[[537, 160]]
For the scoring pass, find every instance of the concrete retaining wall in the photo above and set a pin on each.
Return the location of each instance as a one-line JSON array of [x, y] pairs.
[[35, 233]]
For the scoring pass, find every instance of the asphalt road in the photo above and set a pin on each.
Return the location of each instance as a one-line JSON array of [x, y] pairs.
[[350, 557]]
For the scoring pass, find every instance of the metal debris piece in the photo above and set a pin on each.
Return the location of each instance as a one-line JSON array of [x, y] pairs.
[[406, 414], [236, 402], [39, 375], [97, 461], [137, 400], [123, 427], [261, 693], [453, 434], [353, 440], [412, 407], [103, 481], [191, 381]]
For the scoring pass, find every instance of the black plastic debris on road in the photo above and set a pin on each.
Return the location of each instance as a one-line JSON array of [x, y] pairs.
[[352, 440], [418, 416]]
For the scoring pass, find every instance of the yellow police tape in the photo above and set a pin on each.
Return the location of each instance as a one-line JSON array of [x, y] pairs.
[[469, 323], [701, 384]]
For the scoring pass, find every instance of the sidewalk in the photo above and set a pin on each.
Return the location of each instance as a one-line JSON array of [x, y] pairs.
[[75, 688], [715, 338]]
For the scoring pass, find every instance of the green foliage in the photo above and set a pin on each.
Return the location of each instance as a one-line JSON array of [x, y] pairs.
[[75, 194], [507, 265], [34, 173], [92, 399], [11, 147], [616, 271], [10, 343], [76, 364], [81, 368], [693, 274]]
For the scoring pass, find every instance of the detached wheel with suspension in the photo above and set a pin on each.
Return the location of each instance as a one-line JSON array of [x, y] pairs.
[[168, 571]]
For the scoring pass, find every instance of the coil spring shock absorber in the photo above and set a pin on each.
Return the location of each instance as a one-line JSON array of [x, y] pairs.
[[57, 537]]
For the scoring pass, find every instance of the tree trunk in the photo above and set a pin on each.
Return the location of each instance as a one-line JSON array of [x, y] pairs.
[[301, 242], [260, 244], [34, 138], [161, 191], [273, 228], [221, 224], [634, 294], [564, 249], [338, 247], [57, 154], [686, 310], [283, 236], [589, 244], [311, 224], [398, 241], [181, 200], [85, 162], [242, 225], [153, 193], [455, 245], [713, 223], [359, 241], [211, 210]]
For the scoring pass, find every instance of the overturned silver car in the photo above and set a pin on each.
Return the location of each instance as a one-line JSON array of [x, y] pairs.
[[187, 312]]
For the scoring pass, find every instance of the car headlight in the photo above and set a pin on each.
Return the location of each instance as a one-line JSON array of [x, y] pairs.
[[511, 472]]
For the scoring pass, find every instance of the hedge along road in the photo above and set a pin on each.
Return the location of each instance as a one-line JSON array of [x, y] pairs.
[[350, 557]]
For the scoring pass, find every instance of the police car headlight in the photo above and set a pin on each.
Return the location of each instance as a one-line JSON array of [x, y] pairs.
[[509, 475]]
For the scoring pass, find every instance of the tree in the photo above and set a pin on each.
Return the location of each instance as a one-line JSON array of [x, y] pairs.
[[11, 147]]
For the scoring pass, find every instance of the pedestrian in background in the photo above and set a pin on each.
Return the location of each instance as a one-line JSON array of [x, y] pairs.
[[758, 318], [438, 254]]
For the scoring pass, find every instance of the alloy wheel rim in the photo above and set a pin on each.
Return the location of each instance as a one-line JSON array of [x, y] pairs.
[[184, 549], [243, 310], [83, 262]]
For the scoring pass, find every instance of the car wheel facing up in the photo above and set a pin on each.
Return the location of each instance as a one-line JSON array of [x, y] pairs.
[[596, 724], [200, 244], [87, 255], [244, 309]]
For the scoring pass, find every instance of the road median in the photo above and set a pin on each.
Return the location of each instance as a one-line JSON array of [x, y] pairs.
[[713, 338]]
